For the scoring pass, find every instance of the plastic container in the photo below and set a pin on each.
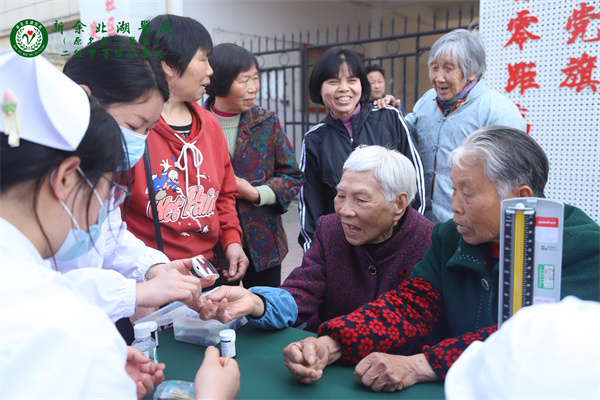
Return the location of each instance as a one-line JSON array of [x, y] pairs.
[[163, 316], [189, 328]]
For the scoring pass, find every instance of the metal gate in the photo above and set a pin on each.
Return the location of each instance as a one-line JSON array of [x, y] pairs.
[[285, 65]]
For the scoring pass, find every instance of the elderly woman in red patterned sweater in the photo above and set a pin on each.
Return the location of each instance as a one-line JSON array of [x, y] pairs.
[[364, 250]]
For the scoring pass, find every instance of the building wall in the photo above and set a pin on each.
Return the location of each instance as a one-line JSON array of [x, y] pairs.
[[44, 11]]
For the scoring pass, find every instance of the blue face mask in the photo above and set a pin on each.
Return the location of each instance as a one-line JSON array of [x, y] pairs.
[[136, 143], [78, 241]]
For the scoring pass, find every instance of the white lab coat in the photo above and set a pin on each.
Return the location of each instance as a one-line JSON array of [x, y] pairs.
[[544, 351], [118, 250], [53, 342]]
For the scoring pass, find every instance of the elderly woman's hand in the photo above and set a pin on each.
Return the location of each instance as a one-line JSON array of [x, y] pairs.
[[238, 262], [230, 302], [246, 191], [387, 100], [389, 372], [307, 358]]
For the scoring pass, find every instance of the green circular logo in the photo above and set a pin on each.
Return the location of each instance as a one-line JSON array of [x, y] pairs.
[[29, 38]]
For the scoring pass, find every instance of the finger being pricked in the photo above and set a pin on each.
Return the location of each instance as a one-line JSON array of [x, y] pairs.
[[207, 308]]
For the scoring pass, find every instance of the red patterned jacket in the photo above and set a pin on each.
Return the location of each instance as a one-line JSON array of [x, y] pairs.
[[453, 294]]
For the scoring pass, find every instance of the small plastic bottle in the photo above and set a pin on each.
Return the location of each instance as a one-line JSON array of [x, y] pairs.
[[144, 341], [227, 337]]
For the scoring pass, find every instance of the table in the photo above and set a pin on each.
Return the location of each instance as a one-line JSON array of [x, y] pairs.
[[263, 375]]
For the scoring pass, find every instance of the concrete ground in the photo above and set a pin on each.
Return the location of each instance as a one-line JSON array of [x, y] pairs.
[[291, 224]]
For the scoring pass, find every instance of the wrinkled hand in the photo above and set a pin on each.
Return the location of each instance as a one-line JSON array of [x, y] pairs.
[[389, 372], [144, 373], [238, 262], [388, 100], [214, 380], [170, 286], [230, 302], [247, 191], [307, 358]]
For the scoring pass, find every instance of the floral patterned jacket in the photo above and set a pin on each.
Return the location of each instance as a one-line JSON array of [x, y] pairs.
[[264, 156], [452, 294]]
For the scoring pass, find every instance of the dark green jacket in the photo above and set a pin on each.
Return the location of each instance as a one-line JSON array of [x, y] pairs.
[[470, 294]]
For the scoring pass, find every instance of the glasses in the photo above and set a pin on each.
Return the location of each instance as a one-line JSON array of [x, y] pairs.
[[118, 194]]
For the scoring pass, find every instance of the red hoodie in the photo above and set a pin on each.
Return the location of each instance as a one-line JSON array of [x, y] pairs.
[[195, 189]]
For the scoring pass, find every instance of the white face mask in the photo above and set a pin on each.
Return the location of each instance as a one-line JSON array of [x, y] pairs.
[[136, 143], [78, 241]]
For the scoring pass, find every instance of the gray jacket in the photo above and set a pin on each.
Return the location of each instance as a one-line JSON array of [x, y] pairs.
[[436, 136]]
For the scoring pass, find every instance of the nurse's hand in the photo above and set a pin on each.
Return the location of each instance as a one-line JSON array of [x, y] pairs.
[[389, 372], [217, 378], [307, 358], [387, 100], [170, 286], [144, 372], [230, 302], [183, 266], [238, 262]]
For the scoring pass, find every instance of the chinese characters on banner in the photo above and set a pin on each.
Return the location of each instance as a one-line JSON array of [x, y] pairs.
[[543, 55], [122, 28], [100, 30], [100, 19], [579, 70]]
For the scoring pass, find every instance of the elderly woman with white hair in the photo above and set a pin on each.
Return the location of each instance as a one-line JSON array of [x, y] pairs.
[[365, 249], [452, 293], [459, 104]]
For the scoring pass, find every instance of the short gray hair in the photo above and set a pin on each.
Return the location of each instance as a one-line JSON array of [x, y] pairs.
[[394, 173], [509, 156], [466, 46]]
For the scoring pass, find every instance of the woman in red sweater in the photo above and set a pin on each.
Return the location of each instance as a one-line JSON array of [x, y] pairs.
[[191, 175]]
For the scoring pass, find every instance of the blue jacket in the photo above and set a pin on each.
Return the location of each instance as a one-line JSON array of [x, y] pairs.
[[436, 136]]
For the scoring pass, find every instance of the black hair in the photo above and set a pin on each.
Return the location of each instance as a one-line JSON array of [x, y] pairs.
[[328, 66], [373, 68], [100, 151], [114, 79], [177, 39], [228, 61]]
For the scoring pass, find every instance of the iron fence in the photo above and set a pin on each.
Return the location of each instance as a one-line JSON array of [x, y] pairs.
[[399, 48]]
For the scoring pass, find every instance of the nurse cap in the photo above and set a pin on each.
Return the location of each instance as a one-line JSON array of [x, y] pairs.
[[41, 104]]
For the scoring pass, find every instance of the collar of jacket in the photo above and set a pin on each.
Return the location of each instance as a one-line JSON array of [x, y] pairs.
[[255, 116], [469, 257], [474, 93], [390, 246], [357, 119]]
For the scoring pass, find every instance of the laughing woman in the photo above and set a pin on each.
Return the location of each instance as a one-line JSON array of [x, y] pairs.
[[339, 82]]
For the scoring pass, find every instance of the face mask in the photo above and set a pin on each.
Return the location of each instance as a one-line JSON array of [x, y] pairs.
[[136, 143], [78, 241]]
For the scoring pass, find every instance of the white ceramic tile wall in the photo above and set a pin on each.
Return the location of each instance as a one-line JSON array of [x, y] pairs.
[[566, 123]]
